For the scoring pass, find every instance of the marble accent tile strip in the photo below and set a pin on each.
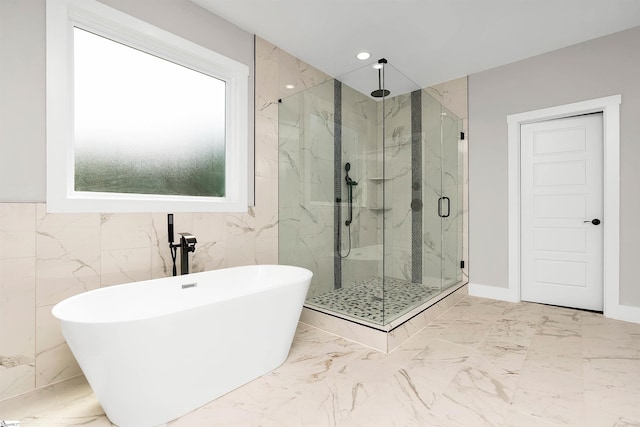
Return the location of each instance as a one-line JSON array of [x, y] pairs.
[[337, 181], [416, 186]]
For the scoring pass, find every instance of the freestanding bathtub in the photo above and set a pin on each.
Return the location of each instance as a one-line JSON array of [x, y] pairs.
[[155, 350]]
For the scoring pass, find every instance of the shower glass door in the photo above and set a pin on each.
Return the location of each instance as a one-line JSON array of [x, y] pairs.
[[434, 203], [450, 129], [442, 218], [423, 200]]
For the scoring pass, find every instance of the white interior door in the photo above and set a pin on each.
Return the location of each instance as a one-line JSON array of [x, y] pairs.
[[561, 212]]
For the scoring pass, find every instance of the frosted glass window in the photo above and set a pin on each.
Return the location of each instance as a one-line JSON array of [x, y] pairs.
[[143, 124], [140, 119]]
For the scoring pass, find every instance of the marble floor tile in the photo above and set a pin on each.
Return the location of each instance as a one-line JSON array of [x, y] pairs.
[[439, 362], [474, 398], [606, 338], [559, 321], [513, 418], [524, 313], [512, 331], [559, 353], [550, 395], [476, 310], [467, 332], [400, 402], [482, 363], [612, 386], [503, 364]]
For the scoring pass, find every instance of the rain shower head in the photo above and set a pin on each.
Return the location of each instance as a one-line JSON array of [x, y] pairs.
[[380, 92]]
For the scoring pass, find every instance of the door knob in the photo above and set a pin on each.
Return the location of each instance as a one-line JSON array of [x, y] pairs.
[[594, 221]]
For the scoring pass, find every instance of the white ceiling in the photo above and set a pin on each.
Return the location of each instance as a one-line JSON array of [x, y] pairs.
[[430, 41]]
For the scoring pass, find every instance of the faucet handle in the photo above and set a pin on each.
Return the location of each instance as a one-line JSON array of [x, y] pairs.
[[188, 240]]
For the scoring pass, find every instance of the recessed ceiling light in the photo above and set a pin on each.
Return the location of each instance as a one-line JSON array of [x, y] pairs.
[[363, 56], [289, 86]]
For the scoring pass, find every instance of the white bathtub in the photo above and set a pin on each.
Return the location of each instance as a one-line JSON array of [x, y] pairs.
[[153, 351]]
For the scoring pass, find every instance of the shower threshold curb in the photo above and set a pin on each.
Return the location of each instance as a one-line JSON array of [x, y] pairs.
[[384, 338]]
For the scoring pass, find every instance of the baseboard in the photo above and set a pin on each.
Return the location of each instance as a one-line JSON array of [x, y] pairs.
[[492, 292], [626, 313]]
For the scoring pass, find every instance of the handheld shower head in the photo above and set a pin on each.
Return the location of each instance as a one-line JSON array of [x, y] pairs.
[[170, 227], [347, 178]]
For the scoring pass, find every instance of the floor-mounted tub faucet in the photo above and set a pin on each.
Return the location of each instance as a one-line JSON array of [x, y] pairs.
[[187, 244]]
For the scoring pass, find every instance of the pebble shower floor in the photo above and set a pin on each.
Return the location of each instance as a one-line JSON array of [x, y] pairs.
[[364, 299]]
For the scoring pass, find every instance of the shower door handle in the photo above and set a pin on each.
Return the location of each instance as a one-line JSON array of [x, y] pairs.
[[440, 213]]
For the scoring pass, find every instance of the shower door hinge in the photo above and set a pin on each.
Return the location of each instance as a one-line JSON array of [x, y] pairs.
[[461, 136], [461, 264]]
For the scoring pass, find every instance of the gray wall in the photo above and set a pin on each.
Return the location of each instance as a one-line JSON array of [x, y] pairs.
[[605, 66], [22, 100], [22, 78]]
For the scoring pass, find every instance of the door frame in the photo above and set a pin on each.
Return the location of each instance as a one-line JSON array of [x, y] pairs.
[[610, 108]]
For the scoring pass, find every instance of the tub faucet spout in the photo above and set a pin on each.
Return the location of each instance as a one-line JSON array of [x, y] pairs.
[[187, 244]]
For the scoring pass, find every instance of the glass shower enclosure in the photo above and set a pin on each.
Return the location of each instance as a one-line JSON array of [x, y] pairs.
[[370, 194]]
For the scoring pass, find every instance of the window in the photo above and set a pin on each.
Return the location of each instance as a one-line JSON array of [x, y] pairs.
[[138, 119]]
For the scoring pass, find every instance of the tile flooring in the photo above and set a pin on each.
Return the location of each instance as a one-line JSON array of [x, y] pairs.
[[482, 363]]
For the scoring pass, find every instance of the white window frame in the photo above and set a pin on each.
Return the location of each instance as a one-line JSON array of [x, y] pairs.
[[62, 17]]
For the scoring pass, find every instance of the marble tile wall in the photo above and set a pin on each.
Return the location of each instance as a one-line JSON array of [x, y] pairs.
[[397, 187], [362, 149], [45, 258], [304, 122], [17, 298]]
